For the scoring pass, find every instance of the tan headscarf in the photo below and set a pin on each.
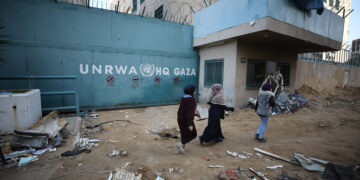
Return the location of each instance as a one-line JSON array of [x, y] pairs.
[[216, 96]]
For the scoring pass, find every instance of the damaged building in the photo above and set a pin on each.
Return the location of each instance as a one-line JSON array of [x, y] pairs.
[[239, 49]]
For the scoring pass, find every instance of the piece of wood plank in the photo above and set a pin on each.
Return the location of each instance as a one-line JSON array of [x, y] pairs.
[[258, 173], [275, 156]]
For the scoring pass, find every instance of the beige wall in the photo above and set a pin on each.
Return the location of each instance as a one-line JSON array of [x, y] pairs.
[[234, 78], [246, 50], [227, 52], [322, 76]]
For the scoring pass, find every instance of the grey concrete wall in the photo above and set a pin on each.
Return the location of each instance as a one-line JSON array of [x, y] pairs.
[[321, 76], [227, 52], [246, 50]]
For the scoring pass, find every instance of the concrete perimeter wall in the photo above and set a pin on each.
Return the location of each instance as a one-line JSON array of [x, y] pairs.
[[120, 60], [321, 76]]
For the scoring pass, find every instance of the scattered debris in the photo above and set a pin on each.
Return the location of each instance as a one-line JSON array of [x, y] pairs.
[[233, 154], [126, 175], [93, 115], [308, 164], [206, 158], [27, 160], [275, 156], [168, 133], [339, 171], [41, 151], [110, 176], [288, 103], [286, 177], [258, 173], [215, 166], [132, 138], [75, 152], [319, 160], [247, 154], [114, 153], [242, 156], [176, 170], [202, 112], [98, 125], [222, 176], [39, 135], [275, 166], [113, 141], [19, 153], [159, 178]]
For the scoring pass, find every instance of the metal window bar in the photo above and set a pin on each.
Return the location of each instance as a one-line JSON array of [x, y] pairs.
[[30, 79]]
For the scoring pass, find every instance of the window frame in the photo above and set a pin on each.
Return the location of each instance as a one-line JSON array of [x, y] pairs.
[[286, 84], [134, 3], [162, 12], [213, 61], [250, 86]]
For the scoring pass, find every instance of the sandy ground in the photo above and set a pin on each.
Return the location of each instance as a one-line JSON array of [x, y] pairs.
[[329, 129]]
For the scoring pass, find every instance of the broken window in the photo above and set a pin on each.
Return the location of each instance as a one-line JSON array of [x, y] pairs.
[[255, 73], [159, 12], [285, 72], [134, 3], [337, 4], [213, 72]]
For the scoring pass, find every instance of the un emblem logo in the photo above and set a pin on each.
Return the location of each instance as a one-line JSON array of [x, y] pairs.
[[147, 70]]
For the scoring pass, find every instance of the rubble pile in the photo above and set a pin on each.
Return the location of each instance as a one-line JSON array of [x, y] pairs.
[[288, 103], [285, 103]]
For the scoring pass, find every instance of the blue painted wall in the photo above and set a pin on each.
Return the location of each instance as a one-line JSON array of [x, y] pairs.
[[228, 13], [50, 38]]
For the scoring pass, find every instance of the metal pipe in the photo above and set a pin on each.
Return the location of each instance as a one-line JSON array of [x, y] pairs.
[[58, 92]]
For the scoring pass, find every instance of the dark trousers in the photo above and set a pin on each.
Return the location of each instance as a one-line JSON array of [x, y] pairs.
[[186, 140], [2, 156]]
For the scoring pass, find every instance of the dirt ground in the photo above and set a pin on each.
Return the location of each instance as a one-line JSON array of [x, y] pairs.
[[328, 128]]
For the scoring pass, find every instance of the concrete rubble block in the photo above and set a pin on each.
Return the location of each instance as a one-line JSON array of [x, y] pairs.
[[32, 141], [39, 135]]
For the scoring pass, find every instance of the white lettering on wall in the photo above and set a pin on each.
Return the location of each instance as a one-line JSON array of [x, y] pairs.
[[188, 71], [146, 70], [132, 70], [82, 69], [182, 73], [166, 71], [193, 72], [177, 71], [108, 69], [97, 69], [120, 69], [158, 70]]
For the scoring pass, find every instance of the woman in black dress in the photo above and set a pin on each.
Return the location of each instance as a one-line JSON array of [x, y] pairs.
[[212, 132], [185, 119]]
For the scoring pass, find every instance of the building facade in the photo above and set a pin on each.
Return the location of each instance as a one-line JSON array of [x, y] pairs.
[[253, 39]]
